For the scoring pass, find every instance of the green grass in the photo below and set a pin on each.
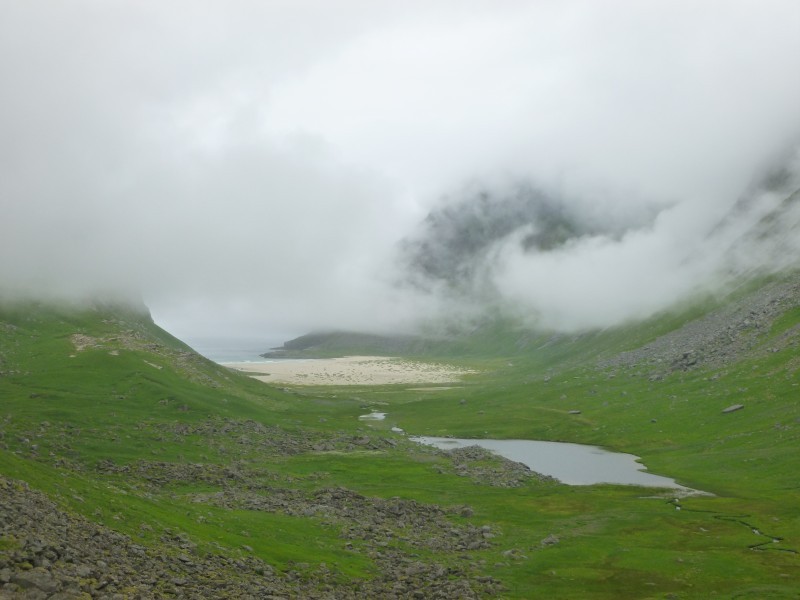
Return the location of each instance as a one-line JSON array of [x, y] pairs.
[[64, 412]]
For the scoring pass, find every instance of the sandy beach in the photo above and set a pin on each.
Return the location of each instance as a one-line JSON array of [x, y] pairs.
[[350, 370]]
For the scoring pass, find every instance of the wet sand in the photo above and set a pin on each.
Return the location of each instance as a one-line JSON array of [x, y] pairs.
[[351, 370]]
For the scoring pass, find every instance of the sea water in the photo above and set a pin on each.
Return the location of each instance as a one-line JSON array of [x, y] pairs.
[[227, 350]]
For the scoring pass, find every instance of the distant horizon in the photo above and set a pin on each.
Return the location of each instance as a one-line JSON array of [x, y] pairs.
[[229, 349]]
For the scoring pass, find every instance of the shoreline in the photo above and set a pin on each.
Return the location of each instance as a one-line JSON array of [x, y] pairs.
[[350, 370]]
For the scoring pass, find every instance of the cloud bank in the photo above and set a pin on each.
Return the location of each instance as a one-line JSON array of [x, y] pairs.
[[250, 168]]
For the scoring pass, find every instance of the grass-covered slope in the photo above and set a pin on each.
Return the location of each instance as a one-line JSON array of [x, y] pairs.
[[338, 343], [219, 485], [149, 470]]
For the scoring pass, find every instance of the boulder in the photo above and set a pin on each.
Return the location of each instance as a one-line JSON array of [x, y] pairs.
[[37, 578]]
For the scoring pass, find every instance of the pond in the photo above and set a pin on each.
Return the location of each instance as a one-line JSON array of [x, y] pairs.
[[573, 464]]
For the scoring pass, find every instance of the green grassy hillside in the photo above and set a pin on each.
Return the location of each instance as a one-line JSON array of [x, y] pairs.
[[222, 486]]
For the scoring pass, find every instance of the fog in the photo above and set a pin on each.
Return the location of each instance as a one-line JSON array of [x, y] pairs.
[[253, 169]]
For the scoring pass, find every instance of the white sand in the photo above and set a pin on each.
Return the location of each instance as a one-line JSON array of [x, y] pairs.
[[351, 370]]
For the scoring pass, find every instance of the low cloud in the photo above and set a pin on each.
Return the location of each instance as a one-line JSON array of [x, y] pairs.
[[250, 168]]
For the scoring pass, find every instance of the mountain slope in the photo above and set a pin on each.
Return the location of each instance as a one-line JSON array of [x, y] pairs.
[[151, 471], [736, 330], [194, 477]]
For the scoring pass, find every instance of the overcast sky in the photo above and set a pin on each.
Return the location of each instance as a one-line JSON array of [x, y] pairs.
[[248, 167]]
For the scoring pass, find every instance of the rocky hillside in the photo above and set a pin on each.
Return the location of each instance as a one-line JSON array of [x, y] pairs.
[[740, 328]]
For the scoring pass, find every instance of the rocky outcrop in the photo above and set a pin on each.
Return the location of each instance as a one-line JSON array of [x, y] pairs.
[[485, 467]]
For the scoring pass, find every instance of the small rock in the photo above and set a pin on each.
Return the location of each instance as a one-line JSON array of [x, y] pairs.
[[574, 412], [733, 408], [550, 540]]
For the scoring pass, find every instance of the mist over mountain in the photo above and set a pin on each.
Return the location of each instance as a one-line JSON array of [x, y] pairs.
[[265, 169], [456, 243], [561, 263], [760, 232]]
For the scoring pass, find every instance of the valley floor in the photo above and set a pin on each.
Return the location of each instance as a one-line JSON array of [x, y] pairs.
[[131, 467]]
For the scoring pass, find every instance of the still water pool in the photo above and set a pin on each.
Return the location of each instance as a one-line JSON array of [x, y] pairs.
[[573, 464]]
